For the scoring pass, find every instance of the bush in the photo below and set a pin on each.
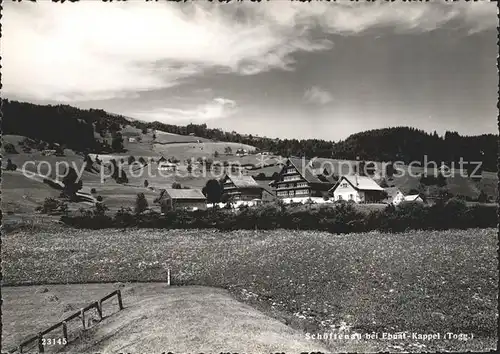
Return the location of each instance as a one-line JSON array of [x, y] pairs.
[[146, 183], [10, 148], [93, 191], [100, 209], [53, 206], [141, 204], [10, 166], [99, 198], [482, 197], [261, 176], [71, 183], [124, 217], [338, 218]]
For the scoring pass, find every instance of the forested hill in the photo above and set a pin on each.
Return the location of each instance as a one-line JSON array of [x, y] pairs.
[[410, 144], [66, 125], [77, 129]]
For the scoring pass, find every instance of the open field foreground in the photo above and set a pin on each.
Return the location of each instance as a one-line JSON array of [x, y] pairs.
[[156, 318], [423, 282]]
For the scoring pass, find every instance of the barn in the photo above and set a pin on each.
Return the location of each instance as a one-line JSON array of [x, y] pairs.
[[191, 199]]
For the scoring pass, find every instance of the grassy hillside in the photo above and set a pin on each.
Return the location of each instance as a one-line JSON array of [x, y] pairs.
[[22, 196]]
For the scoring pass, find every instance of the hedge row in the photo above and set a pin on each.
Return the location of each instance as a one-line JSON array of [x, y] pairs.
[[341, 218]]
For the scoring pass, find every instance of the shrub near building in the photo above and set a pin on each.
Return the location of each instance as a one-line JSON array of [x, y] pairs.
[[341, 218]]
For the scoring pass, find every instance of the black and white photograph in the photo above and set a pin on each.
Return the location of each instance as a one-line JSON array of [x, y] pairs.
[[268, 176]]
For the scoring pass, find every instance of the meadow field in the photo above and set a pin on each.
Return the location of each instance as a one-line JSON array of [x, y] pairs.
[[423, 282]]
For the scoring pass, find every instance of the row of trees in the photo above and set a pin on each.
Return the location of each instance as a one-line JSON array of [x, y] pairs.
[[71, 127]]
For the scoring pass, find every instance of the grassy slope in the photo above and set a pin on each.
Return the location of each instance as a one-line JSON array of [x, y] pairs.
[[417, 281], [199, 319], [184, 151], [22, 196]]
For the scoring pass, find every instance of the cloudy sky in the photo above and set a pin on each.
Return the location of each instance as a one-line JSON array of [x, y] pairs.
[[277, 69]]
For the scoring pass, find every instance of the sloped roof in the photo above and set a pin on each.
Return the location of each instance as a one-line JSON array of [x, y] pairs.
[[361, 183], [411, 198], [185, 193], [241, 181], [309, 174], [265, 187]]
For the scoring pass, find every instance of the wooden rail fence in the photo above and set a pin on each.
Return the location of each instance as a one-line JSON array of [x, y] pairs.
[[81, 313]]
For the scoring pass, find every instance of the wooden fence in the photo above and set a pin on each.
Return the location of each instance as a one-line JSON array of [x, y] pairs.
[[63, 324]]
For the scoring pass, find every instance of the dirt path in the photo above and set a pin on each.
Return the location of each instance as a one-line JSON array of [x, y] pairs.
[[157, 318]]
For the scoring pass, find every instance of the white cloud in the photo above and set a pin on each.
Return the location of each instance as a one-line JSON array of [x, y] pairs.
[[215, 109], [317, 95], [91, 49]]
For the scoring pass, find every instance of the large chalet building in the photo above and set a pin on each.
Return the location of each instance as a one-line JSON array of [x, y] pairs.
[[301, 178]]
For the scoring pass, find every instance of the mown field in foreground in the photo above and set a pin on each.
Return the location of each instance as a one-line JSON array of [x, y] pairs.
[[425, 282]]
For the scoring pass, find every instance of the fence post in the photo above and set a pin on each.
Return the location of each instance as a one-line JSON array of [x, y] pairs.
[[40, 342], [99, 308], [168, 276], [120, 303], [65, 331], [20, 348], [82, 315]]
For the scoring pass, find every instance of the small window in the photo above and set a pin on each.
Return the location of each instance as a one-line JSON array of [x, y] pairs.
[[351, 196]]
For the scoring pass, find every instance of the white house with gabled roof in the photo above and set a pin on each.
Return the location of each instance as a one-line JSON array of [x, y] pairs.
[[360, 189]]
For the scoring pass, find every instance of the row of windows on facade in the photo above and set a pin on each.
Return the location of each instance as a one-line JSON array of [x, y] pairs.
[[293, 185], [291, 178], [293, 193]]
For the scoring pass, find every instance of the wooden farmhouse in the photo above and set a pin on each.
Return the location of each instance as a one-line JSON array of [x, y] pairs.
[[240, 187], [301, 178]]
